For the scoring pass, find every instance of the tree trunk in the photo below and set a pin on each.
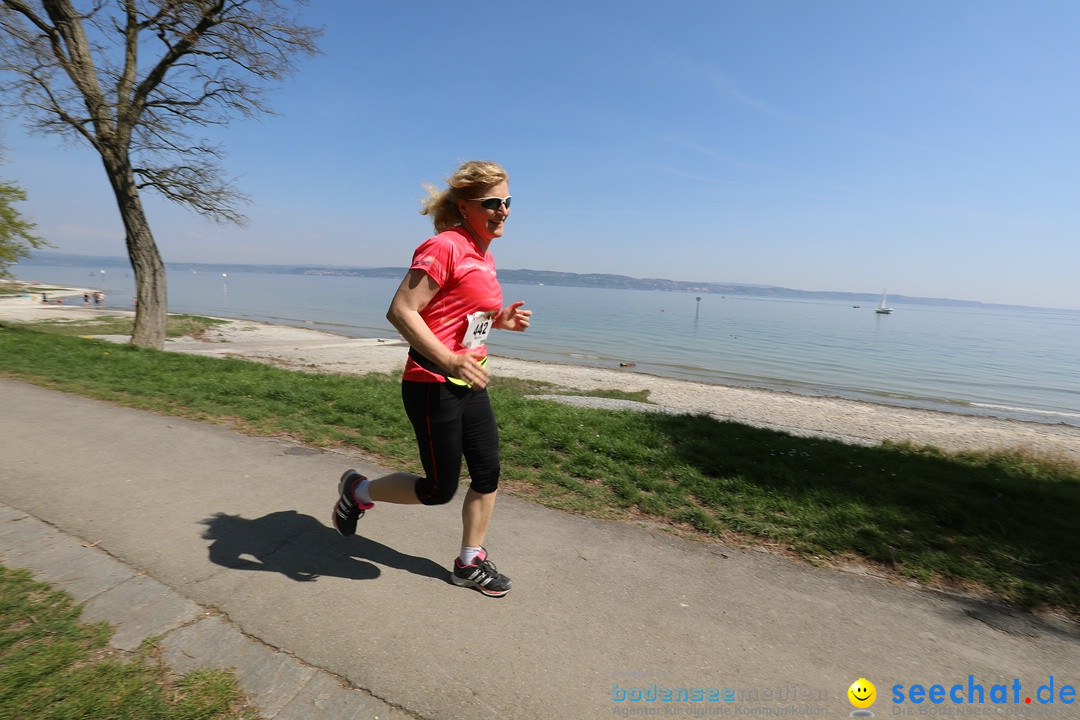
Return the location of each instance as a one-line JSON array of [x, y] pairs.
[[151, 307]]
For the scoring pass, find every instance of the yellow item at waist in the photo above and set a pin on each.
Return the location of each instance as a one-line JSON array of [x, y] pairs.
[[459, 381]]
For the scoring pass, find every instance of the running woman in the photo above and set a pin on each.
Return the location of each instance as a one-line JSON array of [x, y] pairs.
[[445, 307]]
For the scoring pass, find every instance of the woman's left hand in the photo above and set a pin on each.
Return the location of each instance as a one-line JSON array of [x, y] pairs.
[[512, 317]]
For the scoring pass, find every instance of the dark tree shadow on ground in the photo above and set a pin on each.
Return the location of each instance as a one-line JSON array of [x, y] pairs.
[[969, 521], [303, 549], [895, 503]]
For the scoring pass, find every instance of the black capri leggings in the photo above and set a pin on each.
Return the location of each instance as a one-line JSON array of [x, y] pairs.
[[450, 421]]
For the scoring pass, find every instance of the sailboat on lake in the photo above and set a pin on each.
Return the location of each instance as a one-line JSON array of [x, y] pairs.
[[883, 306]]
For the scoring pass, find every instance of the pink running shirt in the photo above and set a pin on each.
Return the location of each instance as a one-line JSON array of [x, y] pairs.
[[467, 284]]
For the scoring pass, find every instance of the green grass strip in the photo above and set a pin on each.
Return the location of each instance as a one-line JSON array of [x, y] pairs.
[[52, 667], [997, 521]]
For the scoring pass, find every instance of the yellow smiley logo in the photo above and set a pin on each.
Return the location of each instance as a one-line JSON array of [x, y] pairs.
[[862, 693]]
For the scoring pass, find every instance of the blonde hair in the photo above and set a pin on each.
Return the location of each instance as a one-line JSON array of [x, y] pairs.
[[468, 181]]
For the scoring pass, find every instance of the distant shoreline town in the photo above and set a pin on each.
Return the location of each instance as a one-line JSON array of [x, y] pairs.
[[526, 277]]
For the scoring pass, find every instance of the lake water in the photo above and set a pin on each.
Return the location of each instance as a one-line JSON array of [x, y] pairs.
[[1020, 363]]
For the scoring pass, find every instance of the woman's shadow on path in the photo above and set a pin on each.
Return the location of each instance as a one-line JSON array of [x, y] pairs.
[[303, 549]]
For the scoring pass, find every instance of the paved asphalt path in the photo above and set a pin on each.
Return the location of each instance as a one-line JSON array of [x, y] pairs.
[[221, 545]]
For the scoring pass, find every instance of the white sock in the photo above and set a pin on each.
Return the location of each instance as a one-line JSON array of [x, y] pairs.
[[361, 493], [469, 554]]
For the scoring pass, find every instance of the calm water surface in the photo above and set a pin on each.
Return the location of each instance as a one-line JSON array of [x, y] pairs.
[[1019, 363]]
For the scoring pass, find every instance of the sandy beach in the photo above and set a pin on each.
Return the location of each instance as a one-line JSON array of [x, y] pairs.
[[848, 420]]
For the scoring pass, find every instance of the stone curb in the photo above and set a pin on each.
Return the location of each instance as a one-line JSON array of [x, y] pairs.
[[138, 607]]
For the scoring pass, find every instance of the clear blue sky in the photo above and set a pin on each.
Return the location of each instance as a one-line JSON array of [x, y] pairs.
[[931, 148]]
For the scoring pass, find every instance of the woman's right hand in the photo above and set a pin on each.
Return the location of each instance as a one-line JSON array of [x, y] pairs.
[[466, 366]]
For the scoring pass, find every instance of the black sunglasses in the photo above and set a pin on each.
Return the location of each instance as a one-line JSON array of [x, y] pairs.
[[493, 203]]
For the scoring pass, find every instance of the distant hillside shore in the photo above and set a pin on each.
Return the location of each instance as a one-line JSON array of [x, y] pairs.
[[525, 277]]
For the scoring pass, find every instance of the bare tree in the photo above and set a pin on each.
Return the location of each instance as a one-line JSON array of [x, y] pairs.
[[132, 78]]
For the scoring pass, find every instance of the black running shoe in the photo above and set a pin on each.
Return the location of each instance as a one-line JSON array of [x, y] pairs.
[[347, 510], [481, 575]]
